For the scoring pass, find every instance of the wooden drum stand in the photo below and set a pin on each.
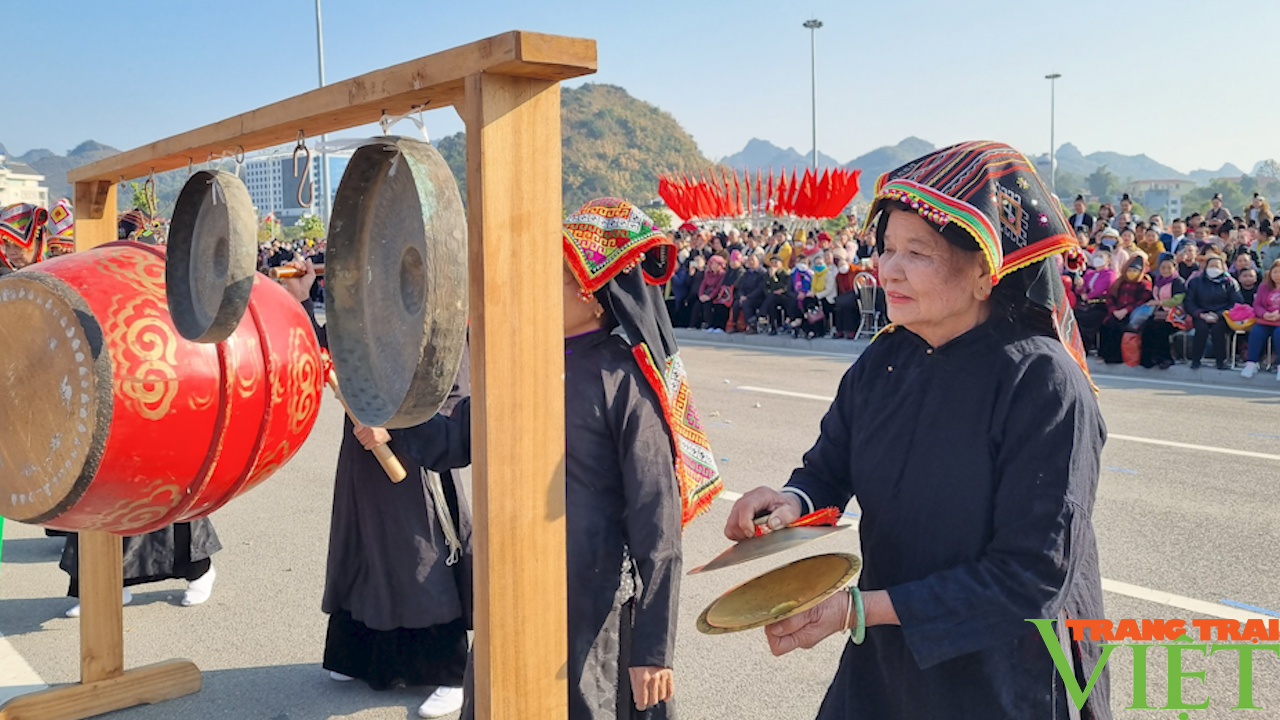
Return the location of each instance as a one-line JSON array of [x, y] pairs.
[[506, 88]]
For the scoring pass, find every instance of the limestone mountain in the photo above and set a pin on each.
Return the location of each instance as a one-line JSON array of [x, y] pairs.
[[765, 155], [54, 167], [613, 144]]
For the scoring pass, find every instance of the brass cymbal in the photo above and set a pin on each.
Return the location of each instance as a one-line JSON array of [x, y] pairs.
[[765, 545], [779, 594]]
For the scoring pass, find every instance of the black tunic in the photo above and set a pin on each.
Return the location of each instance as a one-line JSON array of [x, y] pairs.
[[976, 516], [622, 522]]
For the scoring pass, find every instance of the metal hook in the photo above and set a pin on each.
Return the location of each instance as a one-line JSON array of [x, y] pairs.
[[306, 172]]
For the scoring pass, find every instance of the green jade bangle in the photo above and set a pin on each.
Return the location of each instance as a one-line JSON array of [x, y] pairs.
[[858, 632]]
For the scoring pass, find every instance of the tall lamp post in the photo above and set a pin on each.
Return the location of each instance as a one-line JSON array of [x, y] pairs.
[[324, 155], [813, 26], [1053, 147]]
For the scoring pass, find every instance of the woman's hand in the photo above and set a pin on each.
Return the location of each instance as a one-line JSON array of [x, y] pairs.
[[1271, 316], [782, 508], [651, 685], [704, 298], [300, 287], [809, 627], [1209, 317], [371, 437]]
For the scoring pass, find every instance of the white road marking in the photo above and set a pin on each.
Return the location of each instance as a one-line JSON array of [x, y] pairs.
[[785, 393], [766, 349], [1202, 607], [1178, 383], [1189, 446], [1126, 438], [16, 676]]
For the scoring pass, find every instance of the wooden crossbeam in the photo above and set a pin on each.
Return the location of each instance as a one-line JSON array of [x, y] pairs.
[[429, 82]]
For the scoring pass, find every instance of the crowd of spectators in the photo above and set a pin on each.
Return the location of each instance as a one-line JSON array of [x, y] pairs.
[[1155, 294], [769, 280]]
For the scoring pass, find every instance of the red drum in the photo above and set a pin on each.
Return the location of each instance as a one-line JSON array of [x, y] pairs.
[[110, 420]]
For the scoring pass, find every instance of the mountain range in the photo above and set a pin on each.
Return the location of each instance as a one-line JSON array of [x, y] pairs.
[[764, 154]]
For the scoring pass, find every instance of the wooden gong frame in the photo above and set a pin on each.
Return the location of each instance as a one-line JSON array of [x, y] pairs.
[[506, 88]]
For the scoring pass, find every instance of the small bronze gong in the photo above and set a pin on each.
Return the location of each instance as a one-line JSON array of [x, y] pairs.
[[212, 256], [396, 282], [779, 594]]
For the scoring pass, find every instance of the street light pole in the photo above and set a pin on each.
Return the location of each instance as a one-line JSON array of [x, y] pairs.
[[813, 26], [1053, 148], [324, 155]]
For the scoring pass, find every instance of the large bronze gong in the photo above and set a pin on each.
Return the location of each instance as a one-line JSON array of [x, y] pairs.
[[396, 282], [213, 252]]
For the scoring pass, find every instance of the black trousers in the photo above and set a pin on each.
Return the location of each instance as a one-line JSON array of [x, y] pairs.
[[1109, 339], [779, 309], [1155, 343], [847, 315], [1089, 317], [1204, 330]]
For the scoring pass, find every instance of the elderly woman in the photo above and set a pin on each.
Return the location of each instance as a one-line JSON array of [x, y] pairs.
[[1209, 295], [977, 498], [1130, 291], [1167, 293]]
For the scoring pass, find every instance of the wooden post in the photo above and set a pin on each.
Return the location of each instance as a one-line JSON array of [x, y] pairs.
[[101, 569], [517, 366], [95, 209]]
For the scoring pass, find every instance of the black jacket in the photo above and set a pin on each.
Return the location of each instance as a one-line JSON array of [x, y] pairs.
[[1215, 296], [751, 284]]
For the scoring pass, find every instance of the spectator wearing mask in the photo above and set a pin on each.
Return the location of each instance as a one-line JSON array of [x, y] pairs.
[[778, 301], [1218, 213], [1266, 308], [1259, 209], [748, 293], [1209, 295], [1130, 291], [707, 311], [1080, 219], [825, 289], [847, 316], [1167, 292], [1091, 310]]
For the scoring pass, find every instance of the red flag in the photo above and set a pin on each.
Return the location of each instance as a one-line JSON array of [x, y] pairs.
[[737, 194], [768, 202], [804, 199], [747, 181], [782, 206]]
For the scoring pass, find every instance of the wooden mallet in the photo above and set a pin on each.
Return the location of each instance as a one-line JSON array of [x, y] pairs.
[[388, 459]]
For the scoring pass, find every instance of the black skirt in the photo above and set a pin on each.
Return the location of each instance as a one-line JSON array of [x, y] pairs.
[[434, 656]]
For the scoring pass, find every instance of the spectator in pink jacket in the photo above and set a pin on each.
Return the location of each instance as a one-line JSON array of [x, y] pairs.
[[1266, 307], [1091, 310]]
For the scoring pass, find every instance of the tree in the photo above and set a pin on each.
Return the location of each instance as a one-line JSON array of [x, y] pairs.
[[310, 226], [1269, 169], [1102, 182], [662, 218], [836, 224], [1198, 199], [1069, 185]]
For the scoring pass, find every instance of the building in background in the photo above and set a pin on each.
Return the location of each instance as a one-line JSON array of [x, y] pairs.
[[20, 183], [1161, 196], [274, 189]]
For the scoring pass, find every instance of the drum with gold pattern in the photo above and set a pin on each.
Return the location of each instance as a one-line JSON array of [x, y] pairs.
[[112, 421]]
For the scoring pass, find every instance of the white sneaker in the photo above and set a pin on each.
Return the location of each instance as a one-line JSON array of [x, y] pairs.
[[339, 677], [199, 590], [444, 701], [126, 597], [1250, 369]]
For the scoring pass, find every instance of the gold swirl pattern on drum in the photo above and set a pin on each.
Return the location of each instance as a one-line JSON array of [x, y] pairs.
[[156, 500], [304, 375], [241, 349], [136, 268], [268, 464], [144, 349]]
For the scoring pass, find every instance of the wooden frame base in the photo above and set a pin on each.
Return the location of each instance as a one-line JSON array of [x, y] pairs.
[[144, 686]]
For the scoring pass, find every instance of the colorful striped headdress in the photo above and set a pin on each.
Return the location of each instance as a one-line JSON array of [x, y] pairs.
[[22, 231], [61, 226], [605, 243], [992, 193]]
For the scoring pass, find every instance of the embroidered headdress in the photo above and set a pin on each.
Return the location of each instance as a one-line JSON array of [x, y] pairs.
[[22, 231], [617, 252], [61, 227], [991, 192]]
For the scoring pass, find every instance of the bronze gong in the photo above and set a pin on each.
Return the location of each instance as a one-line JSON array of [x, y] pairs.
[[396, 282], [212, 256], [779, 594]]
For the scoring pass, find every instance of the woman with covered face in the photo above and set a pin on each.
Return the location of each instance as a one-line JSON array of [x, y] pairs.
[[1209, 295], [1129, 292], [978, 491]]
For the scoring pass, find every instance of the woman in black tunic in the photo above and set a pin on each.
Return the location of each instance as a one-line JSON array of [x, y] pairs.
[[977, 500], [398, 579], [637, 464]]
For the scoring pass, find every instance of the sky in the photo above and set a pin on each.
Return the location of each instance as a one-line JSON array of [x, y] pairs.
[[1183, 81]]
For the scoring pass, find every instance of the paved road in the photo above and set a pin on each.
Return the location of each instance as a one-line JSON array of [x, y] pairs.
[[1200, 523]]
